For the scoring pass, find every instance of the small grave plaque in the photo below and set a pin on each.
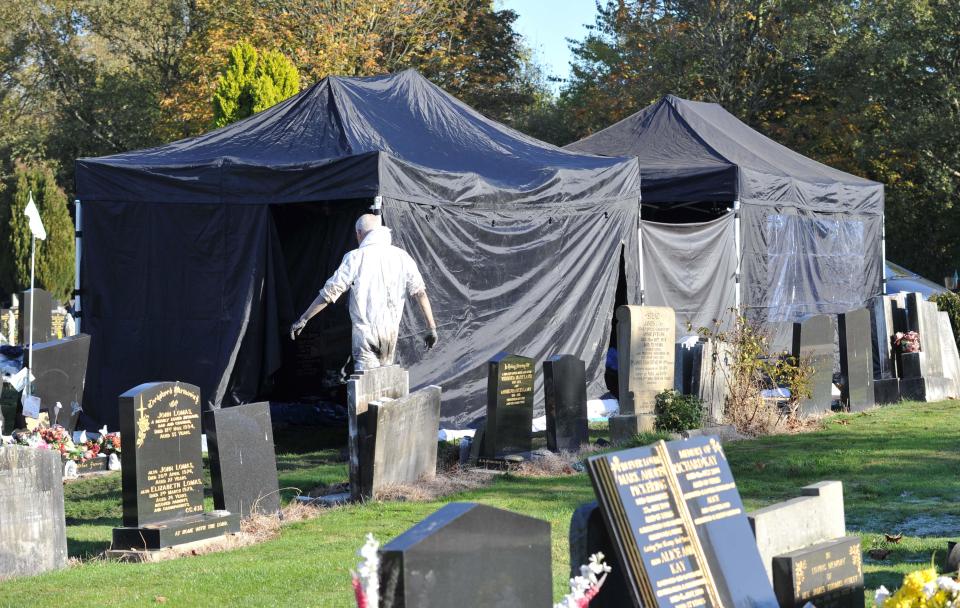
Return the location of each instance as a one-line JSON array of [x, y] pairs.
[[827, 575], [42, 316], [33, 533], [243, 464], [813, 342], [404, 433], [565, 400], [163, 470], [646, 339], [467, 554], [679, 527], [369, 385], [856, 359], [509, 406]]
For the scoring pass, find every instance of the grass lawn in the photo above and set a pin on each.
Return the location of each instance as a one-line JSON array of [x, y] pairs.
[[900, 466]]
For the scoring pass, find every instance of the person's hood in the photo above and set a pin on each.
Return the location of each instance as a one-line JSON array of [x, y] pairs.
[[377, 236]]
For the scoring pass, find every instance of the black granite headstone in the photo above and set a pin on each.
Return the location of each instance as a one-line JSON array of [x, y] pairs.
[[467, 554], [813, 342], [679, 527], [509, 406], [565, 400], [856, 359], [33, 532], [827, 575], [42, 315], [243, 464], [588, 535], [163, 470], [60, 368]]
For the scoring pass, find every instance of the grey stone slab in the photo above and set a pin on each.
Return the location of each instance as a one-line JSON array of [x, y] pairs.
[[624, 428], [827, 575], [509, 406], [948, 350], [467, 554], [924, 318], [565, 402], [711, 374], [33, 533], [42, 316], [60, 367], [405, 438], [391, 382], [856, 360], [813, 342], [243, 463], [646, 339], [817, 515]]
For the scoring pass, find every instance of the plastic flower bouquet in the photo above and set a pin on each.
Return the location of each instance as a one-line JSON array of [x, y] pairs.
[[921, 589], [906, 342]]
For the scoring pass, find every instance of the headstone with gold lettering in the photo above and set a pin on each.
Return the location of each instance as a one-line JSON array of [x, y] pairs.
[[827, 575], [646, 339], [678, 526], [509, 406], [163, 470]]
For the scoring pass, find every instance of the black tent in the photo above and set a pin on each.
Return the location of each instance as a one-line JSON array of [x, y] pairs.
[[197, 253], [811, 236]]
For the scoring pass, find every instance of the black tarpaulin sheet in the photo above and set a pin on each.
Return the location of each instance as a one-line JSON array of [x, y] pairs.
[[188, 275], [810, 233], [692, 269], [548, 289]]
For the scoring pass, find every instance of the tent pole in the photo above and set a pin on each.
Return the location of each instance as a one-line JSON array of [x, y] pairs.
[[643, 290], [883, 254], [78, 235], [737, 252]]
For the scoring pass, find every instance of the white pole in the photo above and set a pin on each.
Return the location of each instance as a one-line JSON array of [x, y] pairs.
[[33, 259], [643, 289], [737, 247], [76, 272], [883, 254]]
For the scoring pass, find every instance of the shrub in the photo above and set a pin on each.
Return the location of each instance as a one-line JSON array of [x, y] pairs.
[[950, 303], [677, 412]]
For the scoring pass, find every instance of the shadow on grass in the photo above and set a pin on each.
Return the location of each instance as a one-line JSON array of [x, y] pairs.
[[85, 549]]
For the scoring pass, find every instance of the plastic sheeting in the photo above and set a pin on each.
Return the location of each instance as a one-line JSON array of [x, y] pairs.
[[691, 268], [547, 287]]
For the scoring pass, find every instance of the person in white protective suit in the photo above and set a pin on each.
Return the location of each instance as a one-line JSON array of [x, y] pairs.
[[380, 277]]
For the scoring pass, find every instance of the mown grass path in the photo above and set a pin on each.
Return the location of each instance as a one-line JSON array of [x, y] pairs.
[[900, 466]]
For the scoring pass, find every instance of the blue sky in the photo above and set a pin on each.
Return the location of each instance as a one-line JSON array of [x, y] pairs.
[[546, 24]]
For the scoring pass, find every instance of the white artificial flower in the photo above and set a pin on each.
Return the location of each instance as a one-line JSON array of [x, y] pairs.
[[880, 596], [367, 571], [930, 589]]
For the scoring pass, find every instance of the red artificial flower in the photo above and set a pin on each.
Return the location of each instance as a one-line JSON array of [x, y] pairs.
[[358, 592]]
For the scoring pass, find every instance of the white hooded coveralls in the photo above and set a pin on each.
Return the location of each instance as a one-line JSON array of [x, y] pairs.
[[379, 277]]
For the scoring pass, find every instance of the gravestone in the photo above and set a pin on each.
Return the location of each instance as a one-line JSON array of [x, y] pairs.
[[678, 526], [162, 474], [467, 554], [33, 532], [856, 360], [646, 338], [685, 351], [923, 318], [886, 384], [588, 535], [243, 464], [60, 368], [42, 315], [404, 433], [827, 575], [816, 516], [509, 406], [948, 349], [710, 375], [565, 401], [813, 342], [391, 381]]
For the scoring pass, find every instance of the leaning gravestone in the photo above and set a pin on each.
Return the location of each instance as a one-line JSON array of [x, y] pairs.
[[42, 315], [856, 359], [827, 575], [33, 533], [678, 526], [710, 377], [565, 402], [404, 434], [60, 368], [509, 406], [163, 470], [645, 344], [391, 381], [243, 464], [467, 554], [813, 342]]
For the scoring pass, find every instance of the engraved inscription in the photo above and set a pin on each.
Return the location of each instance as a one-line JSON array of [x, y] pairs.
[[516, 383]]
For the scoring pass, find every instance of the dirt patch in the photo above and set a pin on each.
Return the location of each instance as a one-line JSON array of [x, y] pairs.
[[443, 484]]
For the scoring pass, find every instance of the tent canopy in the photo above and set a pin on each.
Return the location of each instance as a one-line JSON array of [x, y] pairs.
[[198, 254], [691, 151], [344, 138]]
